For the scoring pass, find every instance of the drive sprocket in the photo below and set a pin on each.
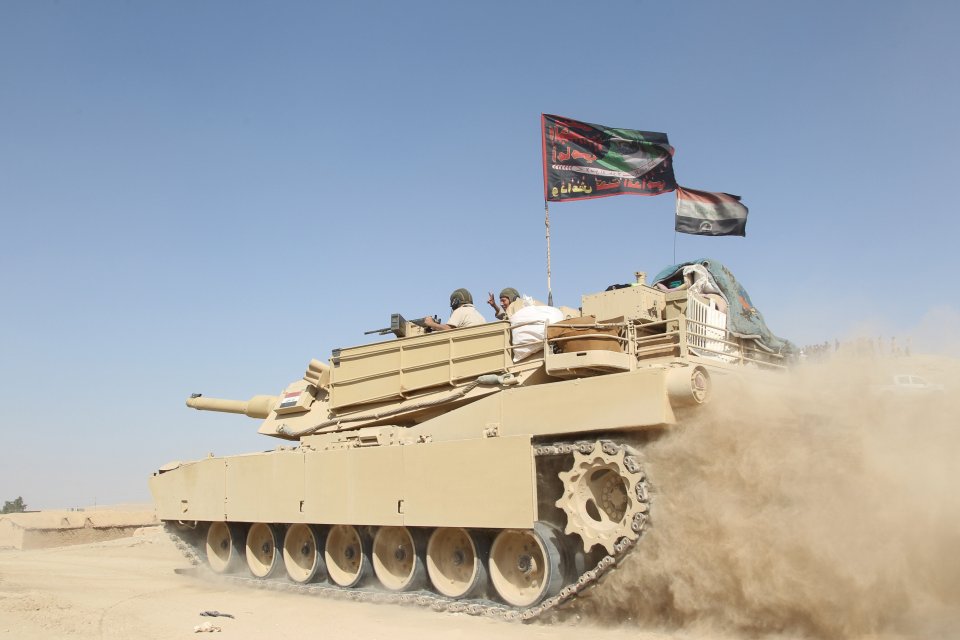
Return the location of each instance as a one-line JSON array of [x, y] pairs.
[[604, 496]]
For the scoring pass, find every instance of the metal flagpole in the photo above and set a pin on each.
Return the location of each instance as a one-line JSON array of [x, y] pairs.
[[546, 211], [675, 211]]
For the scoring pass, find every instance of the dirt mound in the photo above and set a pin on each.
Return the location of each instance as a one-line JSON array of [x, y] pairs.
[[45, 529]]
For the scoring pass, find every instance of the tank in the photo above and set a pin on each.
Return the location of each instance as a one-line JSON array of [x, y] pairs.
[[494, 469]]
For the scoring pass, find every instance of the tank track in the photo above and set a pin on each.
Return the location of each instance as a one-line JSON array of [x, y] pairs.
[[437, 602]]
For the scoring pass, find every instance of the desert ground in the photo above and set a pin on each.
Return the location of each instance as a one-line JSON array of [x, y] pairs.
[[127, 588], [810, 508]]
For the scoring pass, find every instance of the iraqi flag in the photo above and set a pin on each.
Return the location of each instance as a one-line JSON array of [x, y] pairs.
[[703, 213]]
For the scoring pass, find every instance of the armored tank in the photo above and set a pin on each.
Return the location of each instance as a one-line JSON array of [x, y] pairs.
[[494, 469]]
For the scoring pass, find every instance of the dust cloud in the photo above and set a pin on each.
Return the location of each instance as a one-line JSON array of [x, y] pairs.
[[805, 506]]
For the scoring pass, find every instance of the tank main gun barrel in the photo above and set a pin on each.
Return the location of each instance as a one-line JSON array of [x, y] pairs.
[[255, 407]]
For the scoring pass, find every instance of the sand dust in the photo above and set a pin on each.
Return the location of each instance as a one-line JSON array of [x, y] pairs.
[[813, 508], [806, 508]]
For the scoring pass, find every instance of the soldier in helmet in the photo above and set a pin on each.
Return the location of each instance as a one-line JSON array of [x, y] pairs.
[[463, 314], [510, 301]]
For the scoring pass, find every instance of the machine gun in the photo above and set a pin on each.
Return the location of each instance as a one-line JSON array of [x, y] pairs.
[[402, 328]]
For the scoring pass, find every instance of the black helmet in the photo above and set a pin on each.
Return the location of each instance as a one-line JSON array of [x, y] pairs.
[[459, 297]]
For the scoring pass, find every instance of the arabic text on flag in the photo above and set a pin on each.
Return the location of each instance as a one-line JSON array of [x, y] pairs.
[[583, 160]]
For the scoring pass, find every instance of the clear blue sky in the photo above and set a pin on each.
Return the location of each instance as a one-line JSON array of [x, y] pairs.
[[202, 196]]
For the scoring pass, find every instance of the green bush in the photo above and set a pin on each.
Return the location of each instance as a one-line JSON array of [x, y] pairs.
[[14, 506]]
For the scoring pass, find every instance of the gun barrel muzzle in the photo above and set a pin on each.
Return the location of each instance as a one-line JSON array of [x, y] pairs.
[[255, 407]]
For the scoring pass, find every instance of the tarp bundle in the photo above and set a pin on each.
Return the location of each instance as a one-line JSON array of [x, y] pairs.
[[529, 329], [743, 319]]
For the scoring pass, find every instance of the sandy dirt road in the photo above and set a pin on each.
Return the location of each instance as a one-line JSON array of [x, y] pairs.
[[128, 589]]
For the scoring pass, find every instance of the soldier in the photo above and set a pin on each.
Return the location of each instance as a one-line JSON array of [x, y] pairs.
[[510, 301], [463, 313]]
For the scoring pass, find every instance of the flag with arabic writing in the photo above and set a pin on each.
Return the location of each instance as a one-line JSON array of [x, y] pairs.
[[583, 160]]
